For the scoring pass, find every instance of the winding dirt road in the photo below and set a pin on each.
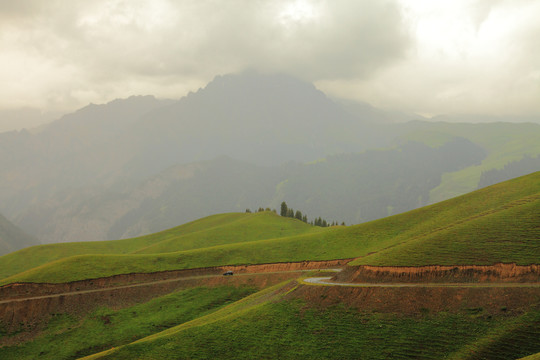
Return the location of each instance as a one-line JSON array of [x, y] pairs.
[[326, 281], [148, 283], [307, 281]]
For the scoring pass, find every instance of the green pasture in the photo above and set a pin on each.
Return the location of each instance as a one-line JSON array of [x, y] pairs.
[[491, 225]]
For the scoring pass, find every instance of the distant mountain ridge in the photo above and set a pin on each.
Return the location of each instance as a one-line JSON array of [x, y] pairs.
[[351, 188], [13, 238], [250, 117], [140, 165]]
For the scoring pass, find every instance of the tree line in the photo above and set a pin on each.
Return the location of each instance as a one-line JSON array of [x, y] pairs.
[[286, 211], [289, 212]]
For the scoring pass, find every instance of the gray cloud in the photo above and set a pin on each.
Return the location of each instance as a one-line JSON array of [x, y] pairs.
[[63, 54], [106, 46]]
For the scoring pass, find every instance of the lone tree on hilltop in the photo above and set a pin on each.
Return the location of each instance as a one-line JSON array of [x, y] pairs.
[[284, 209]]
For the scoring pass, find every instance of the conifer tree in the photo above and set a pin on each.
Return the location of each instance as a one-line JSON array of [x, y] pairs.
[[290, 212], [283, 209]]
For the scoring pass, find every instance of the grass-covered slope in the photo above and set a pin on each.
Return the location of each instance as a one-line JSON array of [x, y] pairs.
[[267, 325], [68, 336], [289, 331], [209, 231], [495, 224], [532, 357], [273, 323], [491, 225], [248, 227]]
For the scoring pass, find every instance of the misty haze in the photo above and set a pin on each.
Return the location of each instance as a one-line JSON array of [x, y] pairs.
[[366, 174]]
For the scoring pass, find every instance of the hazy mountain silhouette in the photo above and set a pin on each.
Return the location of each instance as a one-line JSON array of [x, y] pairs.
[[13, 238], [140, 165], [25, 118], [351, 188], [514, 169], [265, 119], [76, 151]]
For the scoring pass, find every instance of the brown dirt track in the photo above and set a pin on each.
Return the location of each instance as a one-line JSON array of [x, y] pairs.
[[20, 307], [28, 304]]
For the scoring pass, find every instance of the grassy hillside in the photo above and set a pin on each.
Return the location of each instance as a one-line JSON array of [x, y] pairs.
[[268, 325], [246, 323], [13, 238], [209, 231], [494, 224], [105, 328], [532, 357]]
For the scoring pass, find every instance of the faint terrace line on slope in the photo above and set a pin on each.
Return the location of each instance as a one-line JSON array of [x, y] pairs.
[[136, 251], [518, 202], [239, 220]]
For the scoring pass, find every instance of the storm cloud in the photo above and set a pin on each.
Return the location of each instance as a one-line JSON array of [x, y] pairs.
[[423, 56]]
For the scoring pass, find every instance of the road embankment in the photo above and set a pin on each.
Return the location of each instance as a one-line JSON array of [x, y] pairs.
[[421, 299], [25, 290], [27, 304], [499, 273]]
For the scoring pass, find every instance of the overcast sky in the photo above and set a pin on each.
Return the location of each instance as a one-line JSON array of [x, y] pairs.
[[426, 56]]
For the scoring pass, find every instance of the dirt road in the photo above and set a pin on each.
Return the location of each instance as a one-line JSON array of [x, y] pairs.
[[149, 283], [326, 281]]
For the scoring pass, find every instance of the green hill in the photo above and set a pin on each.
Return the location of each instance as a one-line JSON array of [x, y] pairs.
[[495, 224], [271, 324], [274, 322], [210, 231], [13, 238]]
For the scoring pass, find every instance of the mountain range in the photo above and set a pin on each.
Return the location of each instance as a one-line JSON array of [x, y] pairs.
[[140, 165]]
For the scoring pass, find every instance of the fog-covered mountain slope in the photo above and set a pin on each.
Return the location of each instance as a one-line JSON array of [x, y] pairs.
[[13, 238], [141, 165]]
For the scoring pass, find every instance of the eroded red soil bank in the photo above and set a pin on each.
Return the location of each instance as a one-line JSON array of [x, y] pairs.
[[15, 315], [30, 313], [421, 300], [440, 274], [23, 290]]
